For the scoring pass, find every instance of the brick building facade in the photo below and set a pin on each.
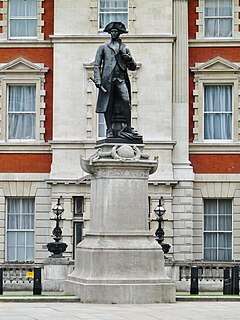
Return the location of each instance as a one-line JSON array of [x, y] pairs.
[[187, 59]]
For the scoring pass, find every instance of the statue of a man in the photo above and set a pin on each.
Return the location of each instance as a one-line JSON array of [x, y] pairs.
[[112, 60]]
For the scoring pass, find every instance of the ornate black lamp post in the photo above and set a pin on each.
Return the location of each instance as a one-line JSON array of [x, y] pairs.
[[159, 212], [57, 247]]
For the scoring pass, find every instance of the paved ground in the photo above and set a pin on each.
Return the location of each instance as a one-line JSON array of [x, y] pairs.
[[77, 311]]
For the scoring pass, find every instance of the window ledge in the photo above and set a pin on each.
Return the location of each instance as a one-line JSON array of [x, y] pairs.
[[27, 147], [25, 43], [214, 148], [214, 42]]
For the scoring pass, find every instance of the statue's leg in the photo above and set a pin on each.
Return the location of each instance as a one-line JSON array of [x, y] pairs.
[[108, 115], [122, 91]]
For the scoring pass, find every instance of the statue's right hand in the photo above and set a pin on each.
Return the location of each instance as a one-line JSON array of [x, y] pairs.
[[98, 85]]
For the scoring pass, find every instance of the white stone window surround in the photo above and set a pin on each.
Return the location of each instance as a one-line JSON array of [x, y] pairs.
[[5, 22], [215, 186], [94, 15], [217, 71], [200, 23], [22, 72]]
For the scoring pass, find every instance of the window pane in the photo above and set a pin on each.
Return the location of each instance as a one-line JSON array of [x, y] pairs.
[[218, 112], [225, 240], [13, 221], [78, 232], [23, 28], [225, 206], [30, 254], [210, 223], [210, 246], [11, 239], [101, 125], [210, 206], [23, 8], [218, 18], [225, 254], [22, 98], [113, 10], [218, 98], [78, 205], [210, 240], [225, 223], [20, 27], [211, 28], [20, 244], [225, 246], [217, 126], [211, 9], [30, 238], [27, 221], [210, 254], [21, 112], [225, 27], [225, 7], [218, 216]]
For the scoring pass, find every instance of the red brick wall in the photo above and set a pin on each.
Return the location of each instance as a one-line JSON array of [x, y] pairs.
[[48, 18], [204, 54], [40, 55], [192, 17], [215, 163], [25, 163]]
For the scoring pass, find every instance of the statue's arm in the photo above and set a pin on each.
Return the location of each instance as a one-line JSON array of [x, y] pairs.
[[97, 66], [127, 57], [132, 65]]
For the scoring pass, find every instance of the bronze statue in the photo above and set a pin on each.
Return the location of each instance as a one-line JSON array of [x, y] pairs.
[[112, 60]]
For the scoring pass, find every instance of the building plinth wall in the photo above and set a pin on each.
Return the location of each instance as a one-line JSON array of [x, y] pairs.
[[119, 261]]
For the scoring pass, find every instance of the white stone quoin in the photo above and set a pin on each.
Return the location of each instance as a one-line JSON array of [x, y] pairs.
[[119, 261]]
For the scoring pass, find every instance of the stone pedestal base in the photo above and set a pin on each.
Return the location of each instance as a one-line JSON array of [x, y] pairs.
[[120, 269], [119, 261], [55, 273]]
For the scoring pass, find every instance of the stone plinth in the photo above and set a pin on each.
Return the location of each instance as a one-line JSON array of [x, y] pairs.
[[119, 261], [55, 272]]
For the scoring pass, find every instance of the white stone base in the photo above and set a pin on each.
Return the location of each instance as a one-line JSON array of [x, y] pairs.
[[121, 293], [119, 261], [120, 269]]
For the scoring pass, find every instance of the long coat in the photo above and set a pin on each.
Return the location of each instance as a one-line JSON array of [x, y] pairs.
[[105, 62]]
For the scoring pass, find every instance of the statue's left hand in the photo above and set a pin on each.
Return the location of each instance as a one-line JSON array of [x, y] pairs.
[[126, 57]]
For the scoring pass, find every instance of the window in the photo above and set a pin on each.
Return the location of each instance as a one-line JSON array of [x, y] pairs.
[[22, 115], [217, 229], [20, 229], [215, 105], [23, 18], [113, 10], [78, 235], [22, 112], [218, 112], [101, 126], [78, 205], [218, 18]]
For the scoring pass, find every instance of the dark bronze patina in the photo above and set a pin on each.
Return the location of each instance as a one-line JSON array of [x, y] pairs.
[[112, 61]]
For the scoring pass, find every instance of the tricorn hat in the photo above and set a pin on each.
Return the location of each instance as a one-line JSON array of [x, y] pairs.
[[115, 25]]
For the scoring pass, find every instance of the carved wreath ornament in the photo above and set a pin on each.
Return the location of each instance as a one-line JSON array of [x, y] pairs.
[[123, 153]]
